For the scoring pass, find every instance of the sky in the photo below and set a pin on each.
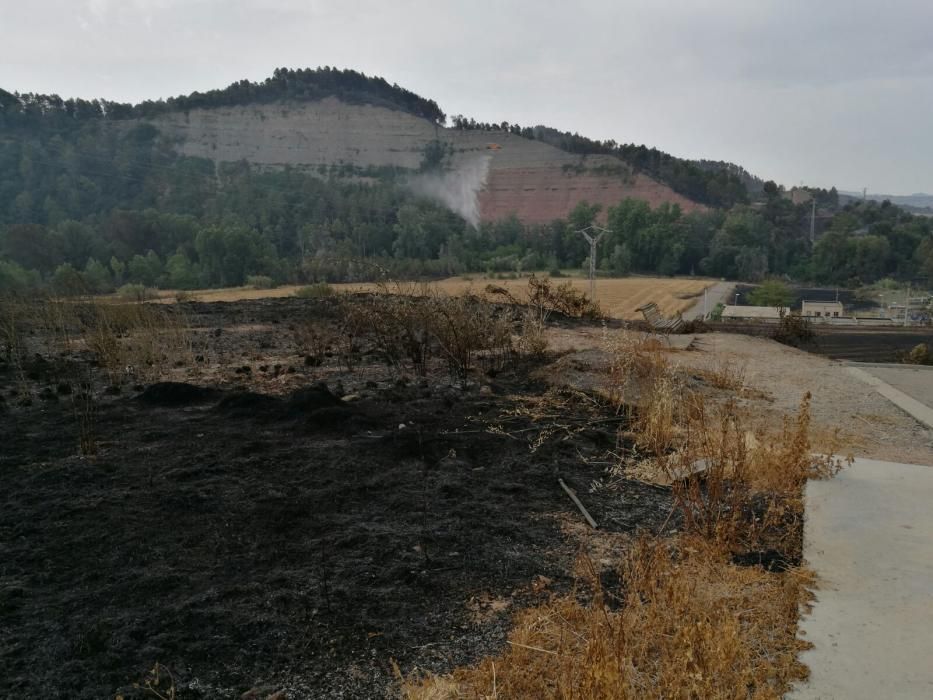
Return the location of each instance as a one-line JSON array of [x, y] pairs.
[[818, 92]]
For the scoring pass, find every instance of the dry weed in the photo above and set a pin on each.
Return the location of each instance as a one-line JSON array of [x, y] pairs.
[[725, 374], [531, 339], [635, 361], [690, 625], [135, 340]]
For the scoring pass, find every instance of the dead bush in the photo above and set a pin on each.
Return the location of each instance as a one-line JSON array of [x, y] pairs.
[[466, 329], [315, 340], [416, 326], [794, 330], [134, 340], [544, 298]]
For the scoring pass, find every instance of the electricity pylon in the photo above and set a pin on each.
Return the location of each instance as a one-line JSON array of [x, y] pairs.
[[593, 234]]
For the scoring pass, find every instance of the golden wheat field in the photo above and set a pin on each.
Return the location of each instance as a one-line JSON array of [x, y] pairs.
[[618, 297]]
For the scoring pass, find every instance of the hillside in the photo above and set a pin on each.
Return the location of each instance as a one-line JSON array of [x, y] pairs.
[[536, 181], [329, 174]]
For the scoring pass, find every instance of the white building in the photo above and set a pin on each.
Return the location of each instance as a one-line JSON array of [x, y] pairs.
[[822, 309], [750, 313]]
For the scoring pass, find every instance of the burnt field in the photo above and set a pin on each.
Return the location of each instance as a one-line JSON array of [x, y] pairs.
[[852, 343], [261, 516], [849, 298]]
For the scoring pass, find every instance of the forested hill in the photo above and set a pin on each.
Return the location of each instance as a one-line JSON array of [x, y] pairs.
[[709, 183], [32, 110], [315, 175]]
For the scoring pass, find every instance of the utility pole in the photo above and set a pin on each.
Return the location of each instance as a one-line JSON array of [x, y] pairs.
[[813, 222], [907, 305], [593, 235]]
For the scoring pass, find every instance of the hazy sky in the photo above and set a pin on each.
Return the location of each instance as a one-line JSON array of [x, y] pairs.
[[820, 91]]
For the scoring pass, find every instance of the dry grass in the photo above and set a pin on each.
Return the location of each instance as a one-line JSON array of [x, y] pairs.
[[140, 341], [129, 342], [636, 361], [725, 374], [617, 297], [684, 623]]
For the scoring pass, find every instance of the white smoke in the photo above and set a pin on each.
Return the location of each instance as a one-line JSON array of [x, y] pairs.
[[458, 188]]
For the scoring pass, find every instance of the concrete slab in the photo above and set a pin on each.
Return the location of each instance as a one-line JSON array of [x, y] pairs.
[[918, 382], [869, 537]]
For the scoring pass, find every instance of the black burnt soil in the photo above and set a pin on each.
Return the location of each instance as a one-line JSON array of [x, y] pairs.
[[300, 543]]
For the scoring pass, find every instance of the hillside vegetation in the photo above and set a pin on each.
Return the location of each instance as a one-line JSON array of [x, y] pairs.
[[94, 195]]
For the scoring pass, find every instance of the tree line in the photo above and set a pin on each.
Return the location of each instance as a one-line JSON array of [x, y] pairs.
[[84, 202], [310, 84]]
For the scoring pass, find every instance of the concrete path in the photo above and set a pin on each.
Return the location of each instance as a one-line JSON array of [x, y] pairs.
[[915, 395], [718, 293], [869, 537]]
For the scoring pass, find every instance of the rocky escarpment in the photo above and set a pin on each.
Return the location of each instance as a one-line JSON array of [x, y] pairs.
[[503, 173]]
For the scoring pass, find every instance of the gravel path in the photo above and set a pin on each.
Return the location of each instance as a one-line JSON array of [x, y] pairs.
[[870, 424]]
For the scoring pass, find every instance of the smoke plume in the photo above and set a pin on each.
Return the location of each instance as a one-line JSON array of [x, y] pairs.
[[458, 188]]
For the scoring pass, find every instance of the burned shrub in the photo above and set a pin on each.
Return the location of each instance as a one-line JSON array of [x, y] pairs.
[[794, 330]]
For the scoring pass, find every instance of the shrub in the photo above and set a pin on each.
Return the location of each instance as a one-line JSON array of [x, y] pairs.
[[136, 292], [771, 292], [794, 330], [545, 298], [260, 282], [318, 290], [416, 325], [919, 355]]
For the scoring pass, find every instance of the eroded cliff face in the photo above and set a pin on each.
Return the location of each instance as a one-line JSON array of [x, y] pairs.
[[489, 175]]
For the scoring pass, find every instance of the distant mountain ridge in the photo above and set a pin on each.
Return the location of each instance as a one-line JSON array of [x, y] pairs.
[[919, 201]]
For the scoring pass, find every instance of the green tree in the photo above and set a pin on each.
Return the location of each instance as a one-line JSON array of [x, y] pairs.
[[97, 277], [181, 272], [771, 292], [620, 262], [118, 267], [751, 263], [14, 279], [146, 270], [67, 281]]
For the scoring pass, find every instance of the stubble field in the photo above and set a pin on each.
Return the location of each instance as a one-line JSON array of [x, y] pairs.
[[619, 298]]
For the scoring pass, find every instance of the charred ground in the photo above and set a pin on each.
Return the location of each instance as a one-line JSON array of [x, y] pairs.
[[260, 530]]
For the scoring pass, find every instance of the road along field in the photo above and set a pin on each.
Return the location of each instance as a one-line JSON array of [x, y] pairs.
[[618, 297]]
